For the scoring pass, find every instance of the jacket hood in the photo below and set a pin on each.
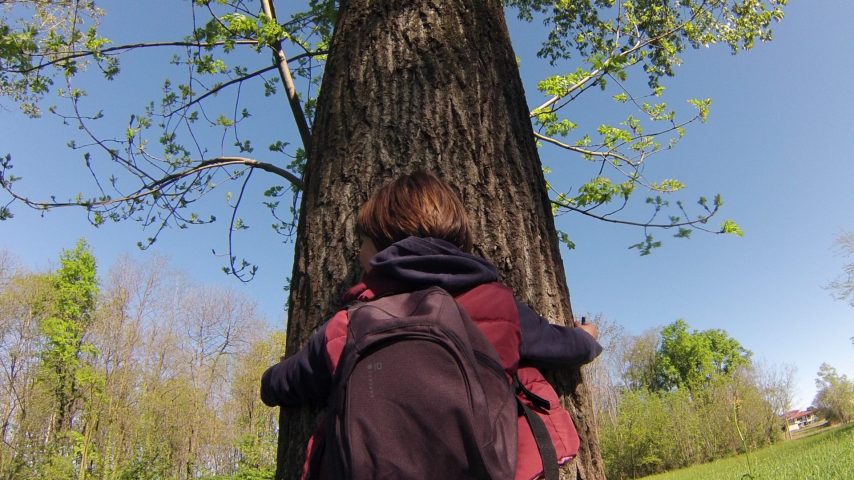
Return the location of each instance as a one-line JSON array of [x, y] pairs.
[[415, 263]]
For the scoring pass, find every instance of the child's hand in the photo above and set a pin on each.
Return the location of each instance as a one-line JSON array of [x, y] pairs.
[[591, 329]]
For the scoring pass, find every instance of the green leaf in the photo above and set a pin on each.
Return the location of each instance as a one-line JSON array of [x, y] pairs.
[[732, 228], [683, 233], [646, 246], [702, 107], [564, 239]]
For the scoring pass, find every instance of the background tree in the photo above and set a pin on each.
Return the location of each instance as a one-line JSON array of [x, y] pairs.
[[640, 357], [710, 401], [691, 359], [256, 439], [777, 384], [604, 375], [24, 301], [843, 286], [835, 397], [7, 267], [64, 365], [160, 408]]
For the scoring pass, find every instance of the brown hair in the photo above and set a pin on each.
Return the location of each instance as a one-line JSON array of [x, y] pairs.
[[418, 204]]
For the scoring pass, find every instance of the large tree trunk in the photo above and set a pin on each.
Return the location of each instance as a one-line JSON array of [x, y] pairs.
[[431, 85]]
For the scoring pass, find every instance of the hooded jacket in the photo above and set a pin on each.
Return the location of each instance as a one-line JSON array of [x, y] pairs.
[[523, 339]]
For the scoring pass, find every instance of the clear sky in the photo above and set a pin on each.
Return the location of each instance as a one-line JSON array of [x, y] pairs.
[[777, 146]]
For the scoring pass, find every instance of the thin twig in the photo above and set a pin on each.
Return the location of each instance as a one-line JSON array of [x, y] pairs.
[[231, 257], [637, 224]]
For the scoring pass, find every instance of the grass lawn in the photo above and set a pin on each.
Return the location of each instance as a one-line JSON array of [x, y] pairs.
[[825, 456]]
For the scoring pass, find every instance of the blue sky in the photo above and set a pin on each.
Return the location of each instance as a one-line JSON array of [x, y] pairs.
[[777, 146]]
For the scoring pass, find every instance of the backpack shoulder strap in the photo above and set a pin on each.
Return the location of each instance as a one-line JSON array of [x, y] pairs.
[[545, 445]]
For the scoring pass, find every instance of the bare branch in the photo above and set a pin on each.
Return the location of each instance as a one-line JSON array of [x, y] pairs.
[[843, 286], [155, 187], [605, 218], [584, 151], [216, 89], [66, 56], [238, 272], [281, 61]]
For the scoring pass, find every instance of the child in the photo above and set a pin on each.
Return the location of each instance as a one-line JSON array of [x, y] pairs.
[[415, 235]]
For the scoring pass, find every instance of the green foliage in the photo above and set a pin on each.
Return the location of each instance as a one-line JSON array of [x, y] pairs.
[[75, 291], [565, 239], [835, 397], [692, 359], [65, 370], [147, 466], [76, 283], [648, 244], [685, 397], [596, 192], [47, 33], [247, 473], [608, 44], [562, 85], [42, 41], [75, 288], [638, 436], [147, 379], [659, 431], [618, 40], [702, 107], [732, 228]]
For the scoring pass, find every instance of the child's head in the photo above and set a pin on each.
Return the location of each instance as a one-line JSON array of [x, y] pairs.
[[417, 204]]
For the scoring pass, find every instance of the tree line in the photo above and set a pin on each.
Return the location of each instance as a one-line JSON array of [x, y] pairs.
[[835, 398], [138, 375], [674, 397]]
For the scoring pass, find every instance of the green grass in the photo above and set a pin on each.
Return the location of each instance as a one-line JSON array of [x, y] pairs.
[[825, 456]]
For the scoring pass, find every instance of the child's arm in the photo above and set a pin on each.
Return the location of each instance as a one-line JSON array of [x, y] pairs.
[[547, 345], [302, 378]]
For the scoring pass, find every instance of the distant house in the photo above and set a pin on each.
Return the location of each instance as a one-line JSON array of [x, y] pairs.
[[797, 419]]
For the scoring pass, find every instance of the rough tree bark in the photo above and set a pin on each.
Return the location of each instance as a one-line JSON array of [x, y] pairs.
[[431, 85]]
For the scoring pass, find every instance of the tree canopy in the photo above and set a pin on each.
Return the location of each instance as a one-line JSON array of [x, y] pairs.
[[134, 373], [673, 397], [690, 359], [677, 358], [835, 397], [215, 77]]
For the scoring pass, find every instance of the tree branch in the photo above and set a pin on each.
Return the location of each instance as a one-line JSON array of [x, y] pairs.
[[231, 257], [604, 69], [121, 48], [243, 78], [155, 187], [605, 218], [584, 151], [285, 73]]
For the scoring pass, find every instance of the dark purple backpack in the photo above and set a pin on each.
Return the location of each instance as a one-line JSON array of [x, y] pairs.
[[419, 393]]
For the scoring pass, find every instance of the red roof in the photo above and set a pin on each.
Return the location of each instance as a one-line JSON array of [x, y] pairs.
[[797, 414]]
